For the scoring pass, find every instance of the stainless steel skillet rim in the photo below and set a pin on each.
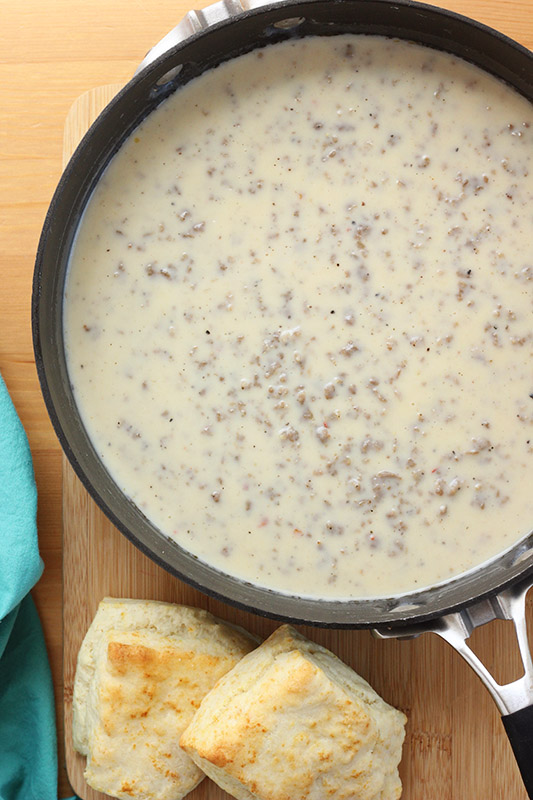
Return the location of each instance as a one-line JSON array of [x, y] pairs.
[[415, 607]]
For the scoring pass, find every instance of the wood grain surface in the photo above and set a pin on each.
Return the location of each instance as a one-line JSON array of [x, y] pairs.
[[51, 51]]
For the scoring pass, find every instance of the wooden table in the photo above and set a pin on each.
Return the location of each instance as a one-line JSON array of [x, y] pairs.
[[51, 52]]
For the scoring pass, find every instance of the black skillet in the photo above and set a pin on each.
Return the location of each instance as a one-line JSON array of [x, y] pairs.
[[202, 40]]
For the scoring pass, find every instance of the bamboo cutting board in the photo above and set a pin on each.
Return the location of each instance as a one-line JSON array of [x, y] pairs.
[[455, 747]]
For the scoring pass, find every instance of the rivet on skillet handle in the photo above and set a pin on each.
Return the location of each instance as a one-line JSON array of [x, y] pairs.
[[514, 700], [196, 21]]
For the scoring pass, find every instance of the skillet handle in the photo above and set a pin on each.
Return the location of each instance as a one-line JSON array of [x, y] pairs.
[[519, 729], [514, 700], [196, 21]]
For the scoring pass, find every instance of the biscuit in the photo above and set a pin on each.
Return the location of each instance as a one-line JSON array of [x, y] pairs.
[[143, 669], [293, 722]]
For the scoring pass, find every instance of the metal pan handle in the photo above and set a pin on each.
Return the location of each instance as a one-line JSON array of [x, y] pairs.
[[514, 700], [196, 21]]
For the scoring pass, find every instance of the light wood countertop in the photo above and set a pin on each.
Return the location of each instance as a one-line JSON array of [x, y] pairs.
[[51, 52]]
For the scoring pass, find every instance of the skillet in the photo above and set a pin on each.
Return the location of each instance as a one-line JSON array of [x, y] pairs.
[[496, 589]]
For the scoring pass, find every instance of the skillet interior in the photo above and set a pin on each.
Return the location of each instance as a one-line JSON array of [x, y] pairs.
[[420, 23]]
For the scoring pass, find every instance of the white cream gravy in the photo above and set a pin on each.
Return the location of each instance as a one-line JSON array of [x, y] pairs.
[[298, 317]]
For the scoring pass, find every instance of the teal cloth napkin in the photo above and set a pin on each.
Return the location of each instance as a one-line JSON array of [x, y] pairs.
[[28, 747]]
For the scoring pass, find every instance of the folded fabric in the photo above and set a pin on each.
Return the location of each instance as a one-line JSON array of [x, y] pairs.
[[20, 564], [28, 747]]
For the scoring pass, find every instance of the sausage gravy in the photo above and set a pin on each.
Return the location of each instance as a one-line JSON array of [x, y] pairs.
[[298, 317]]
